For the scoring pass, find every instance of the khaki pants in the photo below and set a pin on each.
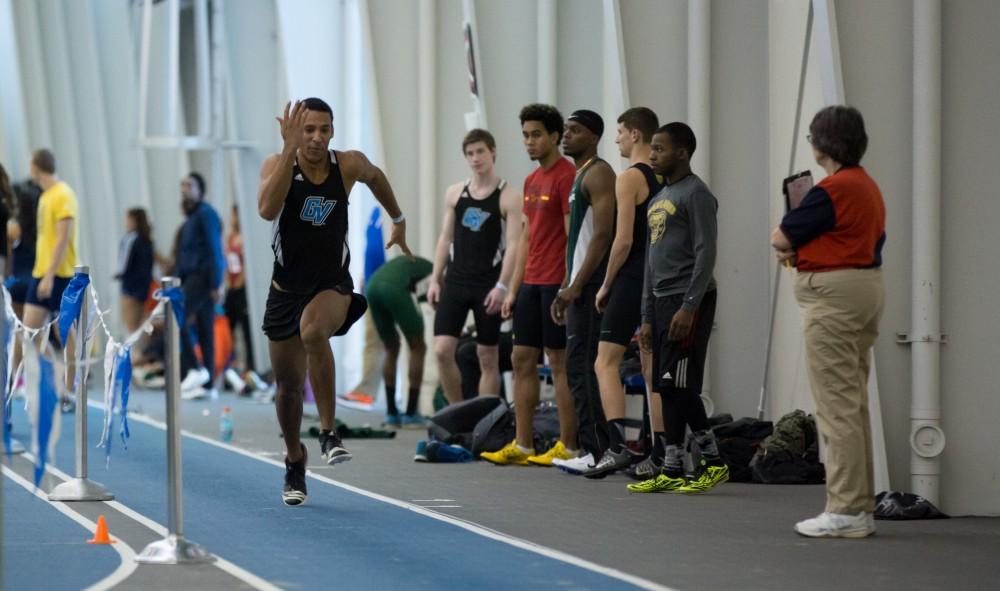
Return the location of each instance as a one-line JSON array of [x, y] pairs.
[[841, 310]]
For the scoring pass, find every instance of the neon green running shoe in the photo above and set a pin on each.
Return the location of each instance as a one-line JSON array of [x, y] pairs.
[[661, 483], [712, 476]]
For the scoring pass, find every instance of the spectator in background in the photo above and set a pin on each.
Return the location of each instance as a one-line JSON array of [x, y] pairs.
[[200, 265], [21, 235], [391, 302], [135, 267], [236, 291], [835, 239], [55, 248], [6, 211]]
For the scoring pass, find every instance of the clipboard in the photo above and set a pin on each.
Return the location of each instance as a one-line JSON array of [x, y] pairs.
[[795, 188]]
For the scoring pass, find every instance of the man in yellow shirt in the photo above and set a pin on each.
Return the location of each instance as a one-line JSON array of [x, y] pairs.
[[55, 246], [55, 251]]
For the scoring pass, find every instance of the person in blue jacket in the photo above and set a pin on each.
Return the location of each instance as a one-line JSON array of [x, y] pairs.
[[200, 265]]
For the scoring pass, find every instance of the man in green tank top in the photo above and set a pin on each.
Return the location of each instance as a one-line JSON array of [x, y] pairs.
[[591, 228]]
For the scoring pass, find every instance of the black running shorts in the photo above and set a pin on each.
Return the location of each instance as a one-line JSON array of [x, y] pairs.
[[623, 310], [283, 312], [680, 365], [533, 324], [453, 308]]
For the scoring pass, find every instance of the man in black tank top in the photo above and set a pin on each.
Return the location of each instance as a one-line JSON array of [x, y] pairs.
[[473, 265], [304, 192], [620, 296], [591, 229]]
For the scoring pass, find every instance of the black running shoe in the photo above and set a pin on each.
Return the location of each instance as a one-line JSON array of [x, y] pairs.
[[644, 470], [333, 450], [294, 492], [611, 461]]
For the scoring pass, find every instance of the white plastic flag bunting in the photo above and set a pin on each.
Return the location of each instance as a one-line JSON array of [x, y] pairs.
[[41, 381]]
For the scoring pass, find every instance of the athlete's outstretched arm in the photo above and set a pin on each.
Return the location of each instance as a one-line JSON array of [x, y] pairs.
[[443, 244], [276, 172], [359, 168]]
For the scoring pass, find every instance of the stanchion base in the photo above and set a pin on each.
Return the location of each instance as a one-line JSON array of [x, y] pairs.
[[174, 549], [80, 489]]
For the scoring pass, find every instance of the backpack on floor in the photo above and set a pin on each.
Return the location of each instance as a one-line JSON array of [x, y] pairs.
[[738, 442], [790, 455], [455, 423], [494, 431]]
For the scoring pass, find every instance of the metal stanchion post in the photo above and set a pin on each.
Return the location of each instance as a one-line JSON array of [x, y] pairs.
[[173, 549], [80, 488]]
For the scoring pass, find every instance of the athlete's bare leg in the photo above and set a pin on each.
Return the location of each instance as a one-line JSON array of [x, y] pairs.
[[321, 318], [288, 358]]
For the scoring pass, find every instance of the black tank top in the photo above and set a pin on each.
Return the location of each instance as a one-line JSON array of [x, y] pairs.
[[633, 266], [309, 236], [478, 239]]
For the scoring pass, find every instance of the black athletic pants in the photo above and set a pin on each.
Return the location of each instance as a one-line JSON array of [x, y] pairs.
[[583, 331], [199, 310]]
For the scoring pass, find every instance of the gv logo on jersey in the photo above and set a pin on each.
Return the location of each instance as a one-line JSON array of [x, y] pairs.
[[316, 209], [474, 218]]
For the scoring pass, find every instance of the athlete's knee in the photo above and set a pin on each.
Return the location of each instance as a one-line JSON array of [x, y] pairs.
[[314, 339], [391, 347], [606, 362], [525, 360], [444, 350], [489, 358], [417, 345], [557, 360]]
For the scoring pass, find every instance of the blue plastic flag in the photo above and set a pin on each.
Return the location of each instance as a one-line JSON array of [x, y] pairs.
[[48, 406], [176, 297], [72, 300], [123, 377], [374, 246]]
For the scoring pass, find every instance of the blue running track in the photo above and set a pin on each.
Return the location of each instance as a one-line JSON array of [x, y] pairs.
[[339, 539]]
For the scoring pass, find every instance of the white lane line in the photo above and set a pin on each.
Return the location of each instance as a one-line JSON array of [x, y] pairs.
[[450, 519], [125, 552], [241, 574]]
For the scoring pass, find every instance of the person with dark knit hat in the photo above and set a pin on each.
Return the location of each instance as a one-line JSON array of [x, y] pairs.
[[591, 228]]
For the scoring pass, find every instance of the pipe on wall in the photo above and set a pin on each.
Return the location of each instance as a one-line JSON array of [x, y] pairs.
[[548, 38], [427, 118], [927, 440]]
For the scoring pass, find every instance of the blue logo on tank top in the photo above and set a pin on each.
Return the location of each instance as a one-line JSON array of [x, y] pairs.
[[316, 209], [474, 218]]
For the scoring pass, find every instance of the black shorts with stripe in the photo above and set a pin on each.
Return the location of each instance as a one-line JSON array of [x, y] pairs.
[[680, 365]]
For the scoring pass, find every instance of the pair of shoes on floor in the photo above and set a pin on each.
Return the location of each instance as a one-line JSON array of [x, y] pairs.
[[514, 454], [644, 470], [837, 525], [294, 491], [710, 477], [197, 385], [611, 461]]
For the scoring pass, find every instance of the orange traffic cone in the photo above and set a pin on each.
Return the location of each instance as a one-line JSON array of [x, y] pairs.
[[101, 534]]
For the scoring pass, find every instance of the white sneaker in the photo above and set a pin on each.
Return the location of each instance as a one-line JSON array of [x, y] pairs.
[[198, 393], [195, 378], [575, 466], [235, 382], [836, 525]]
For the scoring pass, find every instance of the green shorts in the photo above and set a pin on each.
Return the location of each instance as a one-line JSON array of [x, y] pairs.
[[393, 306]]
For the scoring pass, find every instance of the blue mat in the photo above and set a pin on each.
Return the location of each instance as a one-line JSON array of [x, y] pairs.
[[44, 549], [232, 506]]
